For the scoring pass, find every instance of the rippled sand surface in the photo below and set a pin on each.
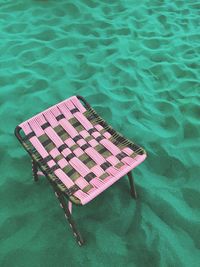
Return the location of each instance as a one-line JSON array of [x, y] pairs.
[[137, 63]]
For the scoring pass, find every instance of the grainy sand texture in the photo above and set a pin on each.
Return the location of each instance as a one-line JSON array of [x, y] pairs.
[[137, 64]]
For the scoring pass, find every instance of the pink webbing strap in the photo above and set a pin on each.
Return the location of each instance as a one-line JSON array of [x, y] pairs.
[[74, 162], [110, 180], [78, 104], [60, 114], [93, 153], [33, 126], [70, 206], [65, 111], [87, 125], [34, 140], [77, 164]]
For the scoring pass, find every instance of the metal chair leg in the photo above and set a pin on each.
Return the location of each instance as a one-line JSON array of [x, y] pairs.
[[132, 185], [68, 216], [35, 170]]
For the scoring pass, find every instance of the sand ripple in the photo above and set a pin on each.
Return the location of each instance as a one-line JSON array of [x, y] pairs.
[[137, 62]]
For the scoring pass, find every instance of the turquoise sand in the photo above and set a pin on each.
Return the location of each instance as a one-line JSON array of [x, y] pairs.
[[137, 64]]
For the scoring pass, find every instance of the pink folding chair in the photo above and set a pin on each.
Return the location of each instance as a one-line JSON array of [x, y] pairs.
[[79, 153]]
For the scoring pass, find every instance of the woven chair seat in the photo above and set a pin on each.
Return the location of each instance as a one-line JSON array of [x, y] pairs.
[[77, 150]]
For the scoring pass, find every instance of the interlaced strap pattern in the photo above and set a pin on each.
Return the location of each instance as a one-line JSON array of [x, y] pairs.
[[82, 154]]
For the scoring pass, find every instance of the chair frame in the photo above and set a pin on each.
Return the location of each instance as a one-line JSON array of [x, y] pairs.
[[38, 169]]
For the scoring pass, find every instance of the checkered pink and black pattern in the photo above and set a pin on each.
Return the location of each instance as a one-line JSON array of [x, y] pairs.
[[78, 151]]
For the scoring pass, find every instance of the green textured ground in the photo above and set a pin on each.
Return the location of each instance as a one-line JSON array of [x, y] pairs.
[[137, 63]]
